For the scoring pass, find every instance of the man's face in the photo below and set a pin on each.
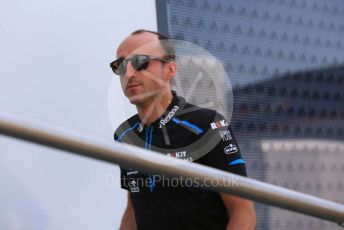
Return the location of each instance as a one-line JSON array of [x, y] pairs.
[[138, 86]]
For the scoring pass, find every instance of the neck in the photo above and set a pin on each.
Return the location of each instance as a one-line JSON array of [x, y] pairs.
[[152, 108]]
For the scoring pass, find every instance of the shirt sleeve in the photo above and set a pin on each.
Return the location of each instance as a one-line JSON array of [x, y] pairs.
[[124, 179], [226, 154]]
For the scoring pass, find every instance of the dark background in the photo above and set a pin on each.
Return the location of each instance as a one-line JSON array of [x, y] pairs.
[[285, 61]]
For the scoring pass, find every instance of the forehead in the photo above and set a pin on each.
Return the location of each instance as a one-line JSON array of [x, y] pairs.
[[144, 43]]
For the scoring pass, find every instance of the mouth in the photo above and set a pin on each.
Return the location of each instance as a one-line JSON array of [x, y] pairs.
[[131, 86]]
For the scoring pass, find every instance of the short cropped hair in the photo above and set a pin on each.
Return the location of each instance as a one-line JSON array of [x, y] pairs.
[[164, 41]]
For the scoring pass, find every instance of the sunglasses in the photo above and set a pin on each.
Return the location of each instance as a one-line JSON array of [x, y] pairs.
[[139, 62]]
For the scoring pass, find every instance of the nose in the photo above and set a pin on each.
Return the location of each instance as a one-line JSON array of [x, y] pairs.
[[130, 71], [127, 76]]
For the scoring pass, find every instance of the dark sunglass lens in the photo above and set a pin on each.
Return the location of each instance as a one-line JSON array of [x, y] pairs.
[[122, 67], [116, 66], [140, 62]]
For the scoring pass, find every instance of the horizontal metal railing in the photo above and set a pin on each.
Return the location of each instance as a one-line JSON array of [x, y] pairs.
[[131, 156]]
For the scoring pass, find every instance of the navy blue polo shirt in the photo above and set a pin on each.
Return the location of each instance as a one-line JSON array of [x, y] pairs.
[[188, 132]]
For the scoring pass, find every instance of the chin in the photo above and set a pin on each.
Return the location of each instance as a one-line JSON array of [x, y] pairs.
[[139, 96], [136, 99]]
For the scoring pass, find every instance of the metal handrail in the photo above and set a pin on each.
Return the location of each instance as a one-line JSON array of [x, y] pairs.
[[131, 156]]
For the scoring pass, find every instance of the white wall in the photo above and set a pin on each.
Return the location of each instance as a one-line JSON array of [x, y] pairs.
[[54, 68]]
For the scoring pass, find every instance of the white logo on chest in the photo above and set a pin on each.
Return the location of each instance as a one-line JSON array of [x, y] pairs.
[[218, 124], [225, 135], [169, 116], [181, 155], [230, 149]]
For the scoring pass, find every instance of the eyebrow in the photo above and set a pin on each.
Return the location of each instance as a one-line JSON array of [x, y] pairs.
[[119, 56]]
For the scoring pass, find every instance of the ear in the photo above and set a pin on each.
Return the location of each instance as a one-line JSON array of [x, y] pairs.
[[171, 70]]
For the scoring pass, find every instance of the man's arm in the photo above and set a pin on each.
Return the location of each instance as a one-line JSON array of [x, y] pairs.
[[128, 219], [241, 211]]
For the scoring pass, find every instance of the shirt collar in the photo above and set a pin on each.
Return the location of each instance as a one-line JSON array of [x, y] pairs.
[[176, 105]]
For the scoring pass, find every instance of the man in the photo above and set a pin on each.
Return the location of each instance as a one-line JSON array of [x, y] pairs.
[[168, 124]]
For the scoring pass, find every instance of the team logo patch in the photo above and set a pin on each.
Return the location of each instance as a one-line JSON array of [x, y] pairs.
[[218, 124], [225, 135], [133, 186], [169, 116], [132, 172], [230, 149], [181, 155]]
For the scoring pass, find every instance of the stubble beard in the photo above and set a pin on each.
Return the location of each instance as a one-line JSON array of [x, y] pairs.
[[141, 99]]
